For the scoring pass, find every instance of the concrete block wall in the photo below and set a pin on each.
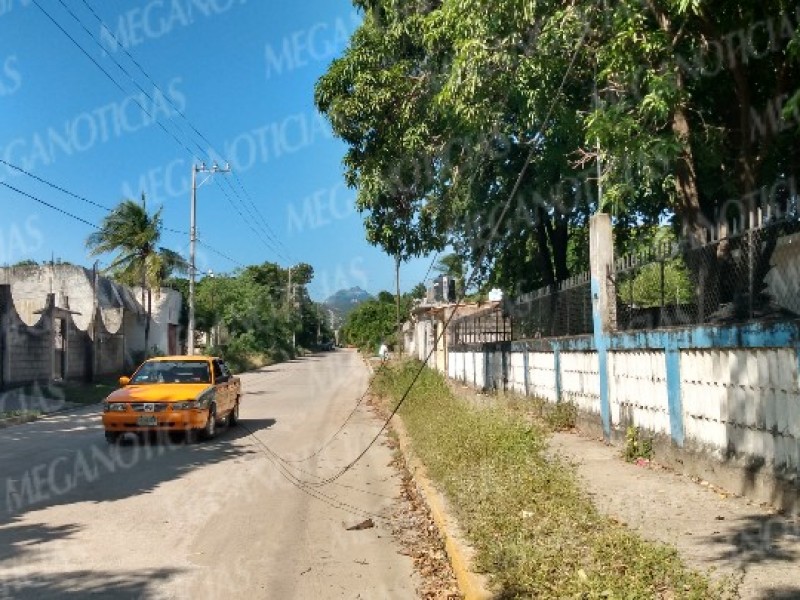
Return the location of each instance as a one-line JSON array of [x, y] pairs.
[[27, 353], [455, 366], [580, 380], [638, 390], [78, 352], [721, 402], [470, 367], [516, 373], [743, 403], [542, 375]]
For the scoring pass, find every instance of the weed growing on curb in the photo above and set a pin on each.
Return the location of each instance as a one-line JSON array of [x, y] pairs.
[[637, 446]]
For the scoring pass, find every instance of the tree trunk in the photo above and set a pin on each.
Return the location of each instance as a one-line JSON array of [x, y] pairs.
[[559, 240], [688, 205], [543, 249]]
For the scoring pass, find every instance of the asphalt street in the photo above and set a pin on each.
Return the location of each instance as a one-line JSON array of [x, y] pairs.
[[250, 514]]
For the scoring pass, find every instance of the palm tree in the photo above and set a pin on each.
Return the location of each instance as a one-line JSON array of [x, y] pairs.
[[133, 235]]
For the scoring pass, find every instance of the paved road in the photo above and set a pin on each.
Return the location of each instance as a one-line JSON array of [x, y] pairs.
[[225, 519]]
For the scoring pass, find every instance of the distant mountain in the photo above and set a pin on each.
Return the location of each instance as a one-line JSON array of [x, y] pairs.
[[344, 301]]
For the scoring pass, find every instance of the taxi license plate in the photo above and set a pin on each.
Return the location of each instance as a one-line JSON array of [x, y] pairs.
[[147, 421]]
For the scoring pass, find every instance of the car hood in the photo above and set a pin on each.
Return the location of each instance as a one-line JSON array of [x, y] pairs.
[[158, 392]]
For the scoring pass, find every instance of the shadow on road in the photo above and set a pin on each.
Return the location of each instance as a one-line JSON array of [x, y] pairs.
[[782, 594], [90, 471], [81, 467], [88, 584], [756, 539], [24, 545]]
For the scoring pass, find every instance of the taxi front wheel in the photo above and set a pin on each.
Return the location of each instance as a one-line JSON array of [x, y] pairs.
[[210, 430]]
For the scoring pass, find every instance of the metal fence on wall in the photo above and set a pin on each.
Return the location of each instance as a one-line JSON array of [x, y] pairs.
[[739, 274], [489, 325], [565, 309]]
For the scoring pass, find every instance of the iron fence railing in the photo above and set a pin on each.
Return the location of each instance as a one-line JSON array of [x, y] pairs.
[[736, 273], [488, 325], [741, 275], [564, 309]]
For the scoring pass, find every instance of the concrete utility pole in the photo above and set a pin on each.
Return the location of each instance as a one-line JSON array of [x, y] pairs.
[[290, 302], [201, 168]]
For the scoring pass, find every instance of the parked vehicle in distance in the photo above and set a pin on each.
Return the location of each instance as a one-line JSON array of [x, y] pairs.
[[175, 394], [327, 346]]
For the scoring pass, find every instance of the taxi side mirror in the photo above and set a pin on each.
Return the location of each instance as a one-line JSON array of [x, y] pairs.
[[123, 381]]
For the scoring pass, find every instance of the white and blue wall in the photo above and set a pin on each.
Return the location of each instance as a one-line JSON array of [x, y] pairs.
[[721, 401]]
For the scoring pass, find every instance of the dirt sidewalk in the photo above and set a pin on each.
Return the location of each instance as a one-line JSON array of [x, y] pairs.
[[711, 529]]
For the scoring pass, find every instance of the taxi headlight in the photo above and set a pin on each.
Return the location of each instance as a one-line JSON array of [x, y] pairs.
[[114, 407], [186, 405]]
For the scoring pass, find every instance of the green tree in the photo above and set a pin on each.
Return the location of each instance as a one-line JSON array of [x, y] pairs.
[[443, 104], [133, 235], [375, 321], [419, 291]]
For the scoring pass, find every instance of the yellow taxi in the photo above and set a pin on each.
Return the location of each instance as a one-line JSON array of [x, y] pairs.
[[190, 394]]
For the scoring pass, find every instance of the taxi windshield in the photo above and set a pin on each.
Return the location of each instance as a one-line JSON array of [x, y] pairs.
[[179, 371]]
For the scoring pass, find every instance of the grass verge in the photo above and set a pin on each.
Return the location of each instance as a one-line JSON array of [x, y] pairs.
[[56, 393], [86, 393], [10, 414], [535, 533]]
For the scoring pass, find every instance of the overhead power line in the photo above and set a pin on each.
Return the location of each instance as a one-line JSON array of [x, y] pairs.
[[252, 208], [54, 186], [116, 83], [108, 75], [63, 190], [50, 206]]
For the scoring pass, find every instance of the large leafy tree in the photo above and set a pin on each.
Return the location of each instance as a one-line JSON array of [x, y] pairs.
[[443, 103], [442, 107], [132, 235]]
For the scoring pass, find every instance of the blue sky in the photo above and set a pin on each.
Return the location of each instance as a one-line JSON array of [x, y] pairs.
[[242, 72]]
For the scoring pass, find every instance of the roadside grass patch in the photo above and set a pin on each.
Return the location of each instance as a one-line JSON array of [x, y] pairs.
[[75, 392], [10, 414], [535, 532], [86, 393]]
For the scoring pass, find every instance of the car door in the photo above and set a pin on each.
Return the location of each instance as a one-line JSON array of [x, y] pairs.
[[222, 386], [232, 383]]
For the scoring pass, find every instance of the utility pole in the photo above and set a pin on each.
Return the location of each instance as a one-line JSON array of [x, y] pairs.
[[201, 168], [399, 349], [212, 333], [290, 302]]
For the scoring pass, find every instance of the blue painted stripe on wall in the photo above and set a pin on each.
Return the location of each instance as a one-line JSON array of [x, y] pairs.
[[601, 344], [751, 335], [672, 355], [557, 365], [526, 376]]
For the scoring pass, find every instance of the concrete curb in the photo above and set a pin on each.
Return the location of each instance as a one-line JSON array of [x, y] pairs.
[[472, 585]]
